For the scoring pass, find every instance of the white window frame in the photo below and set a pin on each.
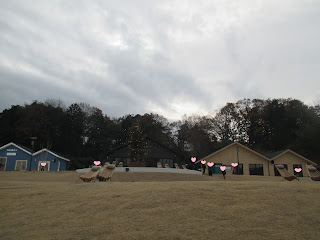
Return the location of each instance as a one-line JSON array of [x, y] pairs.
[[58, 166], [47, 162], [5, 164], [15, 165]]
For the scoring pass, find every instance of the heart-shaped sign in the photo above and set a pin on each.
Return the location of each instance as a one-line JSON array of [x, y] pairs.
[[203, 162], [96, 163], [234, 164], [223, 168], [193, 159], [43, 164], [210, 164], [298, 169]]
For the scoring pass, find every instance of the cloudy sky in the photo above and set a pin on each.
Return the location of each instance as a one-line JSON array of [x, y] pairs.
[[167, 57]]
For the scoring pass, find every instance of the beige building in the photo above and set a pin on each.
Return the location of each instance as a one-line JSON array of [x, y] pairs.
[[290, 160], [253, 163]]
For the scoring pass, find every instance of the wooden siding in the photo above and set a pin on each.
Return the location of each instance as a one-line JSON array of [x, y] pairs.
[[228, 155], [246, 157], [290, 158]]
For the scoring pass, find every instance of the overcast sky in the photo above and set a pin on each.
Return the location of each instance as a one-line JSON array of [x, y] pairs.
[[166, 57]]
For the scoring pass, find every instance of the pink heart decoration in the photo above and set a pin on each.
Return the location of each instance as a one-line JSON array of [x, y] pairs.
[[96, 163], [43, 164], [234, 164], [193, 159], [298, 169], [223, 168], [203, 162], [210, 164]]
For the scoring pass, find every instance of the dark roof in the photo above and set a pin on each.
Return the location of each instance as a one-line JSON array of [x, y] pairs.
[[164, 146], [116, 149], [151, 140], [274, 154]]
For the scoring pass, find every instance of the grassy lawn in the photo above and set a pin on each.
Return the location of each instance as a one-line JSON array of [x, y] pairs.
[[55, 205]]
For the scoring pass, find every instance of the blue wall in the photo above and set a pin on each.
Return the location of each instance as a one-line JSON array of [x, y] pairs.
[[21, 155], [11, 160], [46, 156]]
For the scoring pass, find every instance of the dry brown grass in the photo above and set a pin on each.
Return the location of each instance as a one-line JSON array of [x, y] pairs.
[[54, 205]]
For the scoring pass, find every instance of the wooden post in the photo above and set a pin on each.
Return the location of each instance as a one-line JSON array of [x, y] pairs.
[[238, 160]]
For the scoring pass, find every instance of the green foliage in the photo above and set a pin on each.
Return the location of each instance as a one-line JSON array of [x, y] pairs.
[[83, 133]]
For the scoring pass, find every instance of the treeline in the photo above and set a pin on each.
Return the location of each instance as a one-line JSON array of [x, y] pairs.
[[84, 133]]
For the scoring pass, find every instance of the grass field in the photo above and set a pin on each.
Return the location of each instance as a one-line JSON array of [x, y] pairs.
[[55, 205]]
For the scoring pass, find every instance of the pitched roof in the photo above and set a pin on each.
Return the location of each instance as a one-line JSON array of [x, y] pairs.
[[23, 148], [164, 146], [111, 152], [279, 153], [30, 151], [235, 143], [53, 153], [151, 140], [274, 154]]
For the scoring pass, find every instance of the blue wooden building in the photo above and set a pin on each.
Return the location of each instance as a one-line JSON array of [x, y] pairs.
[[14, 157]]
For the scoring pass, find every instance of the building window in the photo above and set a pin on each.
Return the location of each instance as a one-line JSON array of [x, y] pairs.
[[299, 174], [238, 168], [125, 161], [256, 169], [118, 160], [21, 165], [3, 162], [276, 172], [168, 161]]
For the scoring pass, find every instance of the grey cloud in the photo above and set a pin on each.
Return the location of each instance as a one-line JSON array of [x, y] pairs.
[[122, 56]]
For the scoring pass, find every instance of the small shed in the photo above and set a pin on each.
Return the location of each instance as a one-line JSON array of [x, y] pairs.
[[15, 157], [46, 160]]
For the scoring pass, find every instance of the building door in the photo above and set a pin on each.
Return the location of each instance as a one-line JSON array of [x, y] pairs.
[[43, 165], [217, 168], [3, 163], [299, 174]]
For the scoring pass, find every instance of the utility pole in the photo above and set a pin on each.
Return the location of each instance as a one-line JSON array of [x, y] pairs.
[[32, 147], [138, 145], [238, 160]]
